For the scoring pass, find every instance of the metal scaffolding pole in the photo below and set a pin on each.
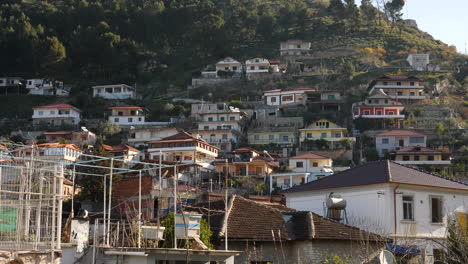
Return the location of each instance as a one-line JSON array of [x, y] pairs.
[[110, 200], [139, 210]]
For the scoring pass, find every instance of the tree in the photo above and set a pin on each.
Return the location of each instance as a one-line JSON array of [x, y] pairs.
[[393, 10], [168, 223], [440, 129], [348, 70]]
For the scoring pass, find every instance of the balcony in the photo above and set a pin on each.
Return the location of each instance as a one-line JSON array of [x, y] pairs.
[[423, 162], [380, 86], [413, 97], [334, 139], [378, 116]]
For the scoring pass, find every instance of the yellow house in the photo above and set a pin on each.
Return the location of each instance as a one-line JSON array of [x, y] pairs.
[[326, 130], [420, 156]]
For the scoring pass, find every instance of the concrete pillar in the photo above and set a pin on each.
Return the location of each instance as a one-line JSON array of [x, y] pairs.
[[271, 183], [246, 169], [229, 260], [290, 181]]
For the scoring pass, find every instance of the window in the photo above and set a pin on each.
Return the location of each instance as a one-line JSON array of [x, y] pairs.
[[385, 83], [210, 119], [384, 140], [285, 138], [391, 113], [67, 112], [415, 140], [405, 157], [221, 118], [52, 112], [226, 68], [130, 119], [411, 83], [271, 137], [116, 120], [234, 68], [298, 46], [436, 209], [120, 113], [386, 101], [139, 119], [366, 112], [273, 99], [232, 118], [323, 135], [256, 137], [430, 157], [309, 135], [412, 93], [408, 210], [399, 93], [299, 164], [117, 89], [288, 98], [287, 182], [40, 113], [206, 127], [108, 90], [416, 157], [398, 83], [315, 164], [337, 135], [223, 147], [331, 97], [225, 136], [252, 67], [379, 112]]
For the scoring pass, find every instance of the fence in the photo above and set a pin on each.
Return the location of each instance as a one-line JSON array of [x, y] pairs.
[[30, 201]]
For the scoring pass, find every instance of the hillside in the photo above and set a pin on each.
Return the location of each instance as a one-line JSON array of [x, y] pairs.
[[163, 42]]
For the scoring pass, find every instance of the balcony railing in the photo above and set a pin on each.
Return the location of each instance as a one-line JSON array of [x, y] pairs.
[[378, 116], [394, 86], [423, 162]]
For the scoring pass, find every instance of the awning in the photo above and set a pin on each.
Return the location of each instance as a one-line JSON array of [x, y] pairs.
[[401, 250]]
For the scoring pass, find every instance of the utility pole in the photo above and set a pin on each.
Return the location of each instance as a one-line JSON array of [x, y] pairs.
[[226, 206]]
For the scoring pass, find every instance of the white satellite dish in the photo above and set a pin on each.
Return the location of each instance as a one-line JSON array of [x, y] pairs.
[[386, 257]]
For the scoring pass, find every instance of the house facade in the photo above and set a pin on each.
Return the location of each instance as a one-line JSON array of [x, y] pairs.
[[139, 137], [329, 100], [248, 162], [219, 124], [408, 205], [324, 129], [380, 111], [406, 89], [45, 87], [418, 156], [295, 47], [418, 62], [114, 91], [127, 115], [396, 139], [279, 97], [229, 64], [10, 81], [182, 147], [56, 115], [67, 153], [79, 138], [123, 152]]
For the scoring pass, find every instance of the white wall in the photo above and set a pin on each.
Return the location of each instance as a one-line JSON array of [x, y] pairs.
[[393, 143], [127, 120], [52, 113]]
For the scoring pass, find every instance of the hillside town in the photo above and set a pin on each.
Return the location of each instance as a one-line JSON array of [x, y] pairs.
[[293, 153]]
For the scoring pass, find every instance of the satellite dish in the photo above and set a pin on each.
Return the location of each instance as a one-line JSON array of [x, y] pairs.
[[386, 257]]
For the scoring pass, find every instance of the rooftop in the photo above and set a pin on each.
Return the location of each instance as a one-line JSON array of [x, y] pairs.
[[59, 145], [379, 172], [417, 149], [56, 106], [399, 133], [309, 156]]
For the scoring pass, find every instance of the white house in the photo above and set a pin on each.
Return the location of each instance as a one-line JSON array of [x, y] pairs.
[[218, 124], [139, 137], [286, 97], [127, 115], [408, 205], [295, 47], [124, 152], [10, 81], [395, 139], [66, 153], [229, 64], [418, 62], [114, 91], [56, 115], [45, 87], [257, 65]]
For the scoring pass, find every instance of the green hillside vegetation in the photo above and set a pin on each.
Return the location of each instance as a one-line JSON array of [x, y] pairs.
[[166, 41]]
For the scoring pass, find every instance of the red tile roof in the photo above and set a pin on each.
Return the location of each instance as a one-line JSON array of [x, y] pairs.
[[309, 156], [251, 220], [126, 107], [379, 172], [118, 148], [55, 106], [399, 133], [397, 77], [59, 145]]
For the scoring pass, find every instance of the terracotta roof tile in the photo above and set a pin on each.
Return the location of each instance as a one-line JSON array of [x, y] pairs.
[[376, 173], [56, 106], [126, 107], [399, 133], [309, 156], [59, 145]]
